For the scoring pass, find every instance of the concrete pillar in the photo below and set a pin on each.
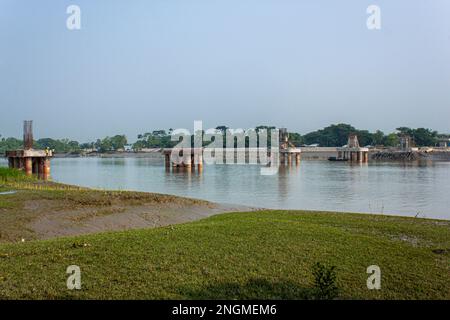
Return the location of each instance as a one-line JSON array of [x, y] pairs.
[[167, 160], [187, 159], [200, 163], [45, 168], [35, 166], [297, 158], [28, 165], [282, 158], [41, 168], [289, 158]]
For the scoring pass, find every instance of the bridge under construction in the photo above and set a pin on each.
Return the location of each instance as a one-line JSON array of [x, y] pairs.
[[31, 161]]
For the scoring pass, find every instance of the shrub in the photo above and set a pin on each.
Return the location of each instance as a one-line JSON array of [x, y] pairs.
[[325, 287]]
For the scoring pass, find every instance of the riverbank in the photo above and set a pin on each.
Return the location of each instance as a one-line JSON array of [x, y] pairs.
[[244, 255], [254, 255], [36, 210]]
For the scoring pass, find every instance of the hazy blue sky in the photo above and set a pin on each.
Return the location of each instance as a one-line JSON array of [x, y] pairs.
[[137, 66]]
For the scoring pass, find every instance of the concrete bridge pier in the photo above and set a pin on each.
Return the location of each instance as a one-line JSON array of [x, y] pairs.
[[352, 151], [32, 162], [190, 159], [29, 160], [288, 156]]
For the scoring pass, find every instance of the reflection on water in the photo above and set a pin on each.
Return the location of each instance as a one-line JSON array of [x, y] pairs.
[[403, 188]]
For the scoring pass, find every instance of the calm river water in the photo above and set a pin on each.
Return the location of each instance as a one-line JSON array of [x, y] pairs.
[[390, 188]]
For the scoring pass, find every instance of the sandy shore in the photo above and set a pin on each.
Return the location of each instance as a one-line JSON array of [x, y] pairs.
[[93, 220]]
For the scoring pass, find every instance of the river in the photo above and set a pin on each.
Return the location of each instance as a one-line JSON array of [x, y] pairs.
[[407, 189], [399, 188]]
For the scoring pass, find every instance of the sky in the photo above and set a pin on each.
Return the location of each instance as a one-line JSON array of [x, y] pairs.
[[137, 66]]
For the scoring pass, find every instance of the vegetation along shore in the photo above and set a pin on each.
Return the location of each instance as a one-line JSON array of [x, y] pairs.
[[335, 135]]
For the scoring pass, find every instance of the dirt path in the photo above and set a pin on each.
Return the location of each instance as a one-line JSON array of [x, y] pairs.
[[94, 220]]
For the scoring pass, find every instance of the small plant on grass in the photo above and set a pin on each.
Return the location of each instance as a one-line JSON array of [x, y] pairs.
[[325, 287]]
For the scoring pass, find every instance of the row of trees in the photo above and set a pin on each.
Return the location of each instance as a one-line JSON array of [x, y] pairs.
[[155, 139], [114, 143], [331, 136], [65, 145], [337, 135], [61, 146], [162, 139]]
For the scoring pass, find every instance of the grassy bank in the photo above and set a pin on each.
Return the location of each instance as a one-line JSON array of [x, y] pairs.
[[242, 255], [263, 254]]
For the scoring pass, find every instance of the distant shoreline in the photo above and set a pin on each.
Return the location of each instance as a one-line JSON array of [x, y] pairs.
[[308, 153]]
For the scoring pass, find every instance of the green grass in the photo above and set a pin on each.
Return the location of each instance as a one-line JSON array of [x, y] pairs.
[[7, 174], [263, 255]]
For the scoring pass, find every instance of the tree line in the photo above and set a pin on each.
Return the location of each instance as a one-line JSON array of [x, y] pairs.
[[106, 144], [331, 136]]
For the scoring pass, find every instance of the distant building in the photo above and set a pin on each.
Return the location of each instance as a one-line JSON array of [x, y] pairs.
[[406, 142], [128, 148], [90, 150], [444, 142]]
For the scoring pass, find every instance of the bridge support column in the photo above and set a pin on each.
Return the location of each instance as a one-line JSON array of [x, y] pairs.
[[187, 158], [167, 160], [199, 163], [28, 164], [46, 172]]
